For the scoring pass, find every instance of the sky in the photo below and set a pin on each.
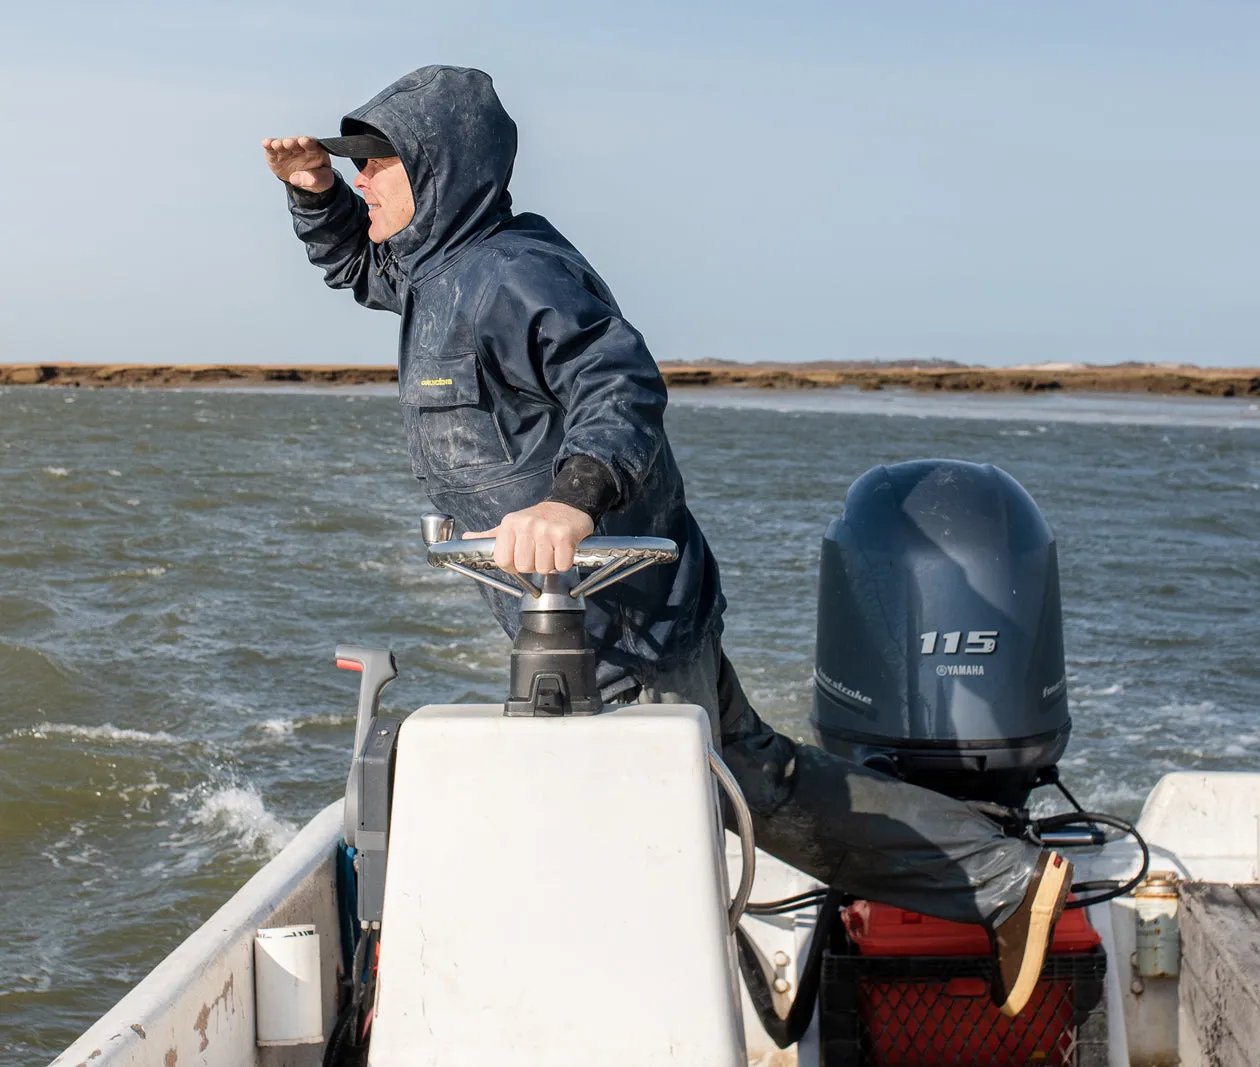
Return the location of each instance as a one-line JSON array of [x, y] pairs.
[[1002, 182]]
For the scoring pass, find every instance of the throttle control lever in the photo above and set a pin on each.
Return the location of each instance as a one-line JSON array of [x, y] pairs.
[[368, 786]]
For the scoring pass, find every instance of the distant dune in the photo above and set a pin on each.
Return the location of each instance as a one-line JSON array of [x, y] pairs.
[[1162, 379], [934, 376]]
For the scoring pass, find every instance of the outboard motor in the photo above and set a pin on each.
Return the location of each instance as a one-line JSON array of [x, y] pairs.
[[940, 632]]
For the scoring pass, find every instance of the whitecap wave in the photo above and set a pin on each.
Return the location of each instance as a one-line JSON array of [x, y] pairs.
[[1115, 689], [57, 472], [104, 732], [141, 572], [276, 728], [1203, 707], [238, 814], [328, 718]]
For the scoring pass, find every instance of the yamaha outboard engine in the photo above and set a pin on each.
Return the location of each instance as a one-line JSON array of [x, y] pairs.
[[940, 632]]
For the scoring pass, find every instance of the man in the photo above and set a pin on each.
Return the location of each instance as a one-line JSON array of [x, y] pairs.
[[534, 414]]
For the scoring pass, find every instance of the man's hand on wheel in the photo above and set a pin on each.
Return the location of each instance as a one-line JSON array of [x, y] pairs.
[[539, 539], [300, 161]]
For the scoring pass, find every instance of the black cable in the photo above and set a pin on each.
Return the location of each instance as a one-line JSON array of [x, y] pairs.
[[787, 904], [787, 1030], [343, 1048], [787, 910], [368, 988], [1017, 822], [360, 958], [1090, 818], [1070, 799]]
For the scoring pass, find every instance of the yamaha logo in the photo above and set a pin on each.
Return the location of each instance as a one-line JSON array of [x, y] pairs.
[[954, 670]]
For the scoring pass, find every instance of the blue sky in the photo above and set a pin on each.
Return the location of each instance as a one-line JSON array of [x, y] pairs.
[[993, 182]]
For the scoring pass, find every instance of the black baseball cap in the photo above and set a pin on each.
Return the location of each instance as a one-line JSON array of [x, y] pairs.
[[359, 142]]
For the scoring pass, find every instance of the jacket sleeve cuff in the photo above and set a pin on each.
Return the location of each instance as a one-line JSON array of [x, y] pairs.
[[586, 484], [302, 199]]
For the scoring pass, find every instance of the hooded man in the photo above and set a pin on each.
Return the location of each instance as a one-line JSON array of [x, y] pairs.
[[534, 414]]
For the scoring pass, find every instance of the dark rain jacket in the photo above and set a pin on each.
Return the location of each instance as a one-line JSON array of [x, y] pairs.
[[513, 357]]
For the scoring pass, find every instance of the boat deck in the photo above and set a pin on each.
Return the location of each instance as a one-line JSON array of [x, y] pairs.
[[1220, 971]]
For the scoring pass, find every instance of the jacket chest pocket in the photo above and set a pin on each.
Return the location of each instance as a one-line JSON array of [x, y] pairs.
[[448, 408]]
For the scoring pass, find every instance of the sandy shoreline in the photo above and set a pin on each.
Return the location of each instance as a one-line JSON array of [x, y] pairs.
[[1180, 380]]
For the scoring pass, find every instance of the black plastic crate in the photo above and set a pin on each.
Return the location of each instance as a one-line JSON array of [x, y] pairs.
[[935, 1011]]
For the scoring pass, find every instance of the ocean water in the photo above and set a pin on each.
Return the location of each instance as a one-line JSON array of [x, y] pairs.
[[176, 568]]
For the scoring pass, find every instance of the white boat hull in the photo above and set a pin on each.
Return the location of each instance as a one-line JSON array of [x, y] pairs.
[[197, 1005]]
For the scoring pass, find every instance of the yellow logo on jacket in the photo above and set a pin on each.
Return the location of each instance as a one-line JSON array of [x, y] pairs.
[[436, 381]]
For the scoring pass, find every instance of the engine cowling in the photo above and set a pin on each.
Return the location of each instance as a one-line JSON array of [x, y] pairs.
[[940, 631]]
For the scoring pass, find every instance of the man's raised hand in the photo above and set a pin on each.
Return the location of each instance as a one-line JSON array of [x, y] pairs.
[[300, 161]]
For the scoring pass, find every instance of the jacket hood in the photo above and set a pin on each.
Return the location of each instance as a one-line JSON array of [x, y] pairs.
[[457, 145]]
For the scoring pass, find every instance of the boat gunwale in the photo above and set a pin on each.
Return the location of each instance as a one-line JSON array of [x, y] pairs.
[[131, 1033]]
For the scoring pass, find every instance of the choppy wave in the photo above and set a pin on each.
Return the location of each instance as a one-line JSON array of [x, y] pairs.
[[1177, 708], [237, 817], [105, 732], [156, 571], [276, 728], [1084, 691]]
